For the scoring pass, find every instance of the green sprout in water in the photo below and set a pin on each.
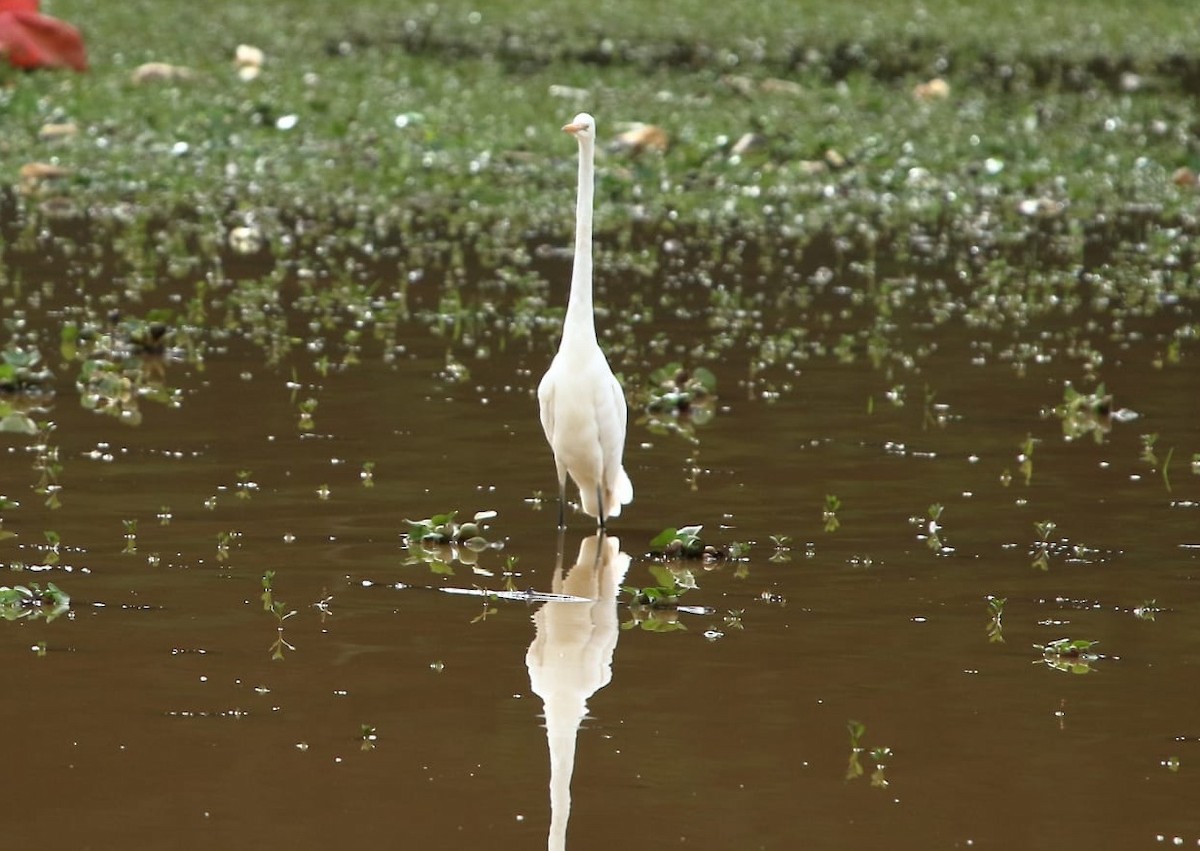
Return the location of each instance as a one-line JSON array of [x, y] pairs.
[[879, 755], [130, 536], [45, 462], [1025, 459], [510, 573], [1147, 610], [268, 580], [829, 513], [489, 609], [783, 548], [367, 474], [1068, 655], [367, 737], [1148, 456], [1041, 547], [32, 601], [245, 487], [307, 408], [995, 629], [52, 544], [224, 539], [933, 540], [279, 609], [856, 728], [1085, 413]]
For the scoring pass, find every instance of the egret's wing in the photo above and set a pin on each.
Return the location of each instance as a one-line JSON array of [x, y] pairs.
[[546, 402], [612, 415]]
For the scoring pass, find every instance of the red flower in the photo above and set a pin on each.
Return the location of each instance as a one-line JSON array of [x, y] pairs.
[[32, 40]]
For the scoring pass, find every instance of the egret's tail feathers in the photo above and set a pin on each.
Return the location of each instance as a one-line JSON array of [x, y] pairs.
[[621, 494]]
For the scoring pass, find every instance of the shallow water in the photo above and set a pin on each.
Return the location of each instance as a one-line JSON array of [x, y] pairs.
[[158, 711]]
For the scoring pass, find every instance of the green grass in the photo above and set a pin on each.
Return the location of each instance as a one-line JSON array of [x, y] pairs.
[[1043, 161], [482, 118]]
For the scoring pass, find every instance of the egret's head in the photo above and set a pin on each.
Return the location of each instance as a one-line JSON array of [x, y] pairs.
[[582, 127]]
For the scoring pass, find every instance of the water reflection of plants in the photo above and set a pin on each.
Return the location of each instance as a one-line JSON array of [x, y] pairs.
[[686, 543], [1043, 546], [25, 389], [1073, 656], [32, 602], [879, 755], [1085, 413], [441, 541], [677, 400], [995, 626], [279, 610], [122, 364], [655, 608]]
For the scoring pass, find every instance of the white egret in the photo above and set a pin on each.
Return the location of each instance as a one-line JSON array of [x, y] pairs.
[[582, 403]]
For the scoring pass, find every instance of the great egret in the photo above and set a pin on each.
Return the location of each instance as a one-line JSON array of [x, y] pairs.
[[582, 403]]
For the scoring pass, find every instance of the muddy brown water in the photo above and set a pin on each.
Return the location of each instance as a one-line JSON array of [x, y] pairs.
[[157, 715]]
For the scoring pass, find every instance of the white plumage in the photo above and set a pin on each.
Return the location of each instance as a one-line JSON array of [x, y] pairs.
[[582, 404]]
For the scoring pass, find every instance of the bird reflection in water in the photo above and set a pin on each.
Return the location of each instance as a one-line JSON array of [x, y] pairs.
[[571, 656]]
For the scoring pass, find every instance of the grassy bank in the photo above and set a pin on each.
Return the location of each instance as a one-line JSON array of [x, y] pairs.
[[389, 137]]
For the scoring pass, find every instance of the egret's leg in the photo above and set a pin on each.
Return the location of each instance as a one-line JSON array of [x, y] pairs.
[[562, 503], [556, 585], [600, 506]]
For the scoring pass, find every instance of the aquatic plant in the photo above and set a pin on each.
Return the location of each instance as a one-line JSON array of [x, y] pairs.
[[444, 529], [672, 583], [1042, 546], [879, 755], [1147, 610], [279, 610], [678, 391], [489, 607], [1068, 655], [682, 542], [1085, 413], [130, 535], [933, 528], [20, 371], [829, 512], [46, 463], [440, 541], [995, 627], [686, 543], [32, 601]]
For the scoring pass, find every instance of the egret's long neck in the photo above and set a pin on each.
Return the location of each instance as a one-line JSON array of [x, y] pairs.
[[580, 323]]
